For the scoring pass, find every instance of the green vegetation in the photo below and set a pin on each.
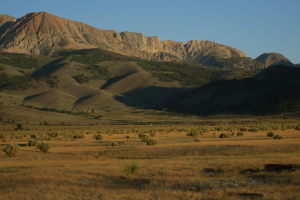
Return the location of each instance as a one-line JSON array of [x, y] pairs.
[[11, 150], [77, 136], [32, 142], [131, 168], [19, 60], [277, 137], [98, 137], [95, 56], [224, 135], [240, 133], [98, 71], [80, 78], [19, 127], [18, 82], [270, 134], [43, 147]]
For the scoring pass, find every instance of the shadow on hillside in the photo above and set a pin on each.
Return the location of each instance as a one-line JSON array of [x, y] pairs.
[[152, 97], [48, 68], [273, 91]]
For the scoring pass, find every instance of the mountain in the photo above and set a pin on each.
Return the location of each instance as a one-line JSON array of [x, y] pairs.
[[42, 33], [6, 18], [275, 90], [269, 59]]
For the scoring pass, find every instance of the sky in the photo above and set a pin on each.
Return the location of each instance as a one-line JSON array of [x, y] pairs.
[[253, 26]]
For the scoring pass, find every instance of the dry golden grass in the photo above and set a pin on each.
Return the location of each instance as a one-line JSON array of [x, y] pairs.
[[175, 168]]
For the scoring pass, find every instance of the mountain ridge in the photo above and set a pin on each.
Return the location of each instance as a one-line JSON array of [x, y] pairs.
[[42, 33]]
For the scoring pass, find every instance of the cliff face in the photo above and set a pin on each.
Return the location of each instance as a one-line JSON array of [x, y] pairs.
[[43, 34]]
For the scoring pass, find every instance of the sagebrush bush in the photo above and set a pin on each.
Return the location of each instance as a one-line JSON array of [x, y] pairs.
[[77, 136], [277, 137], [131, 168], [32, 142], [97, 137], [43, 147], [34, 136], [193, 132], [252, 129], [152, 134], [151, 141], [224, 135], [243, 129], [19, 127], [52, 134], [240, 133], [113, 144], [270, 134], [11, 150]]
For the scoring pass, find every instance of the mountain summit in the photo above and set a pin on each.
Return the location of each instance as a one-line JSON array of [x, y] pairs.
[[42, 33], [269, 59]]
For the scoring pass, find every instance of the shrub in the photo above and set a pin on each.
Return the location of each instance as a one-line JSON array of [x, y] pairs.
[[34, 136], [270, 134], [78, 136], [11, 150], [144, 137], [240, 133], [2, 137], [277, 137], [32, 142], [252, 129], [131, 168], [113, 144], [19, 127], [43, 147], [98, 137], [152, 134], [224, 135], [151, 141], [194, 132], [53, 134], [243, 129]]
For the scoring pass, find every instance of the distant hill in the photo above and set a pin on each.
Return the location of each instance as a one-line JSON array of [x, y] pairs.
[[42, 33], [275, 90], [269, 59]]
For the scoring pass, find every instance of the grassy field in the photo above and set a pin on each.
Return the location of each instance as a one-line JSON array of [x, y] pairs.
[[187, 161]]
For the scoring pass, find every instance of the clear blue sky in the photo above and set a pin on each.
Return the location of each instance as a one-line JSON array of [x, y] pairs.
[[253, 26]]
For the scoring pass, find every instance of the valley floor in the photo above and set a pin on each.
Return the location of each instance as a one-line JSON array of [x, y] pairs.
[[177, 167]]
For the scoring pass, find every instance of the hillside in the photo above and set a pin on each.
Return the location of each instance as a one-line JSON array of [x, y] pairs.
[[275, 90], [45, 34], [94, 82], [269, 59]]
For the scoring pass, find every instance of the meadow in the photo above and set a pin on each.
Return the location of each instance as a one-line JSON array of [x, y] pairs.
[[211, 159]]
